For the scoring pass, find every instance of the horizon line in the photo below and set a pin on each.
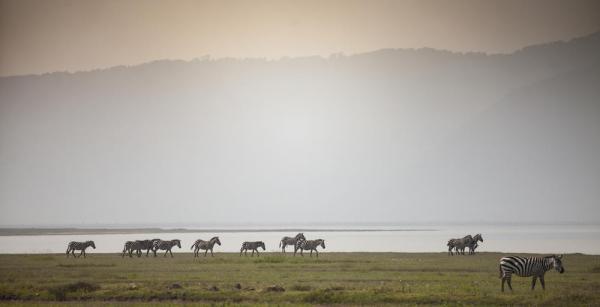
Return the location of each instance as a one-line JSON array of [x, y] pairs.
[[207, 58]]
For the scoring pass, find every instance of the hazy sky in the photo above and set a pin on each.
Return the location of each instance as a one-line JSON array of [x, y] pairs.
[[38, 36]]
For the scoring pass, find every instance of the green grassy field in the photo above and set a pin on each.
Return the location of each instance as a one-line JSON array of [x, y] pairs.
[[334, 278]]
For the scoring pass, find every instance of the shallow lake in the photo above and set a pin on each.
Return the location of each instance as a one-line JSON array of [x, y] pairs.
[[400, 238]]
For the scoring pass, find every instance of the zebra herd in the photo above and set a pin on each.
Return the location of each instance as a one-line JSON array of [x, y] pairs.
[[130, 247], [535, 267]]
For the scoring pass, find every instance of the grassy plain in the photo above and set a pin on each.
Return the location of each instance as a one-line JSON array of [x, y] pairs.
[[334, 278]]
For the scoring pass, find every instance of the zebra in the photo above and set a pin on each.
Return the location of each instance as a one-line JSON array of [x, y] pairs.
[[525, 267], [253, 246], [309, 245], [473, 245], [131, 246], [148, 245], [285, 241], [460, 244], [166, 246], [451, 245], [205, 245], [127, 248], [73, 246]]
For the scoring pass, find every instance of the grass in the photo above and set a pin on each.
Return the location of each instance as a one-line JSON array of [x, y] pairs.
[[334, 278]]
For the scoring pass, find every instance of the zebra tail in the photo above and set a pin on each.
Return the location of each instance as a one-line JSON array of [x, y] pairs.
[[191, 247], [500, 269], [280, 243]]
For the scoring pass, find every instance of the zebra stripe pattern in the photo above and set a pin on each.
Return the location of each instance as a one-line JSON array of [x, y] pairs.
[[205, 245], [285, 241], [526, 267], [253, 246], [166, 246], [311, 245], [73, 246]]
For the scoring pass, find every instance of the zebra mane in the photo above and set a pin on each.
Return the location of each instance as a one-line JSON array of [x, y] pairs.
[[214, 238]]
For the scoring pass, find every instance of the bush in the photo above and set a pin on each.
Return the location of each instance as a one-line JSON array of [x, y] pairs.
[[60, 292]]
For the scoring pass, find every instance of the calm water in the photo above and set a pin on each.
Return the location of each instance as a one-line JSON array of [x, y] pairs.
[[520, 238]]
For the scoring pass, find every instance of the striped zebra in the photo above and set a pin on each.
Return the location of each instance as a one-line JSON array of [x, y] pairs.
[[127, 248], [130, 247], [459, 244], [73, 246], [451, 245], [526, 267], [205, 245], [311, 245], [253, 246], [462, 243], [473, 245], [285, 241], [166, 246], [148, 245]]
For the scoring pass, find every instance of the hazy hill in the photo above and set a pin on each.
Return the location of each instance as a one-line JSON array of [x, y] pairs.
[[383, 136]]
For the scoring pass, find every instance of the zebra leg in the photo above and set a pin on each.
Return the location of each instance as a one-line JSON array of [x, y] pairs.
[[509, 284], [211, 253], [73, 253], [316, 251], [68, 252], [543, 282], [206, 252], [503, 281], [257, 253], [302, 252], [283, 248], [533, 282], [311, 253], [171, 252]]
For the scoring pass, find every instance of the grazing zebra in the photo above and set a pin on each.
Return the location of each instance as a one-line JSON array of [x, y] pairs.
[[73, 246], [166, 246], [473, 245], [205, 245], [525, 267], [148, 245], [311, 245], [285, 241], [253, 246]]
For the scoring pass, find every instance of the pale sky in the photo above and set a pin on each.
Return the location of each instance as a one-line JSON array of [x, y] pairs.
[[38, 36]]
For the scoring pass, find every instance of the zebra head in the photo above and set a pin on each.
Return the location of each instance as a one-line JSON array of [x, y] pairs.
[[300, 236], [478, 237], [322, 243], [216, 240], [558, 263], [176, 242], [91, 243], [261, 244]]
